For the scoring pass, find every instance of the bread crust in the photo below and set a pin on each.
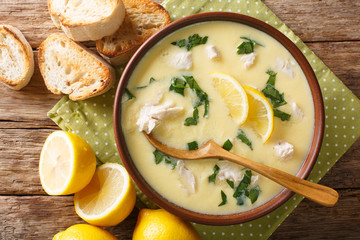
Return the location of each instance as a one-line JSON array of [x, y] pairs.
[[83, 30], [90, 74], [119, 47], [18, 38]]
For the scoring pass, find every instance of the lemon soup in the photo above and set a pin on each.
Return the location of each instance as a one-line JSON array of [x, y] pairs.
[[227, 82]]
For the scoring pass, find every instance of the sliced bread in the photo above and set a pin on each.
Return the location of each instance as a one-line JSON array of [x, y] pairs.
[[69, 68], [16, 58], [143, 18], [84, 20]]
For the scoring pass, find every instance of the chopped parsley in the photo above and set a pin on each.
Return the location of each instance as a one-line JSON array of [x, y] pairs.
[[231, 183], [247, 46], [177, 85], [227, 145], [150, 81], [212, 177], [254, 193], [277, 99], [203, 98], [192, 145], [159, 157], [282, 115], [242, 136], [240, 190], [223, 198], [129, 95], [191, 42], [194, 119]]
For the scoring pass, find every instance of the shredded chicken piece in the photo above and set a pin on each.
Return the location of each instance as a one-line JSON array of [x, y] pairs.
[[187, 178]]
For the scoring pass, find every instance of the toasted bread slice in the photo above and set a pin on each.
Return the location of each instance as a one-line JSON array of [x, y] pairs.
[[143, 18], [69, 68], [16, 58], [84, 20]]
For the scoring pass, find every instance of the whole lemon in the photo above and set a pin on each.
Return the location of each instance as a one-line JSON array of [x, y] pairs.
[[162, 225], [84, 232]]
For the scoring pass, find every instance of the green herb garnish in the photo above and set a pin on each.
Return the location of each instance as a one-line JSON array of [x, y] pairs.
[[277, 99], [223, 198], [192, 145], [247, 46], [212, 177], [203, 98], [231, 183], [282, 115], [159, 157], [129, 95], [242, 136], [227, 145], [254, 194], [194, 119], [177, 85], [150, 81], [191, 42], [240, 191]]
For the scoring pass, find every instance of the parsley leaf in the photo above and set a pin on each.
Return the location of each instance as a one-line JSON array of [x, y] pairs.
[[240, 191], [227, 145], [177, 85], [150, 81], [242, 136], [192, 145], [254, 193], [282, 115], [191, 42], [223, 198], [277, 99], [194, 119], [129, 95], [212, 177], [247, 46], [203, 98], [159, 157], [231, 183]]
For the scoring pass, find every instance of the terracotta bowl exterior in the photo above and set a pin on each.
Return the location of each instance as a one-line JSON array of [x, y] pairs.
[[241, 216]]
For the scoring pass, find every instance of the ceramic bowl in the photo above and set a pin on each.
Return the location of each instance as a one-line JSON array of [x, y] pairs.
[[241, 216]]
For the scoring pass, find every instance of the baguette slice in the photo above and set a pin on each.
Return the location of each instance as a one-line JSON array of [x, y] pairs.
[[84, 20], [16, 58], [69, 68], [143, 18]]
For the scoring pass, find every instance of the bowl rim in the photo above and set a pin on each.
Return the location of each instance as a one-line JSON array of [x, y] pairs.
[[280, 198]]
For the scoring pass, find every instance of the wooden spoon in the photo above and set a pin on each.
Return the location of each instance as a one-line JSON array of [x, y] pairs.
[[318, 193]]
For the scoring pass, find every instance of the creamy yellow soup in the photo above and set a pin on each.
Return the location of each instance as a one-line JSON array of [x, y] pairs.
[[205, 196]]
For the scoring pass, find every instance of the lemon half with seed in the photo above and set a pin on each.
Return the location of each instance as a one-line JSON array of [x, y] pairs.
[[67, 163], [261, 116], [233, 94], [109, 198]]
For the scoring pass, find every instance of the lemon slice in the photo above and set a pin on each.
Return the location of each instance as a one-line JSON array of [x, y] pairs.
[[108, 199], [261, 116], [67, 163], [233, 94]]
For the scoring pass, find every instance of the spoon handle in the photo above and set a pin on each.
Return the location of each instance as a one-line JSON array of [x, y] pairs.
[[318, 193]]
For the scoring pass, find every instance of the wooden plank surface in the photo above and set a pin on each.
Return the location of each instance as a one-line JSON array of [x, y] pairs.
[[331, 29]]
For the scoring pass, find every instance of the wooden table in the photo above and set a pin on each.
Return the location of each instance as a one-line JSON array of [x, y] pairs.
[[331, 28]]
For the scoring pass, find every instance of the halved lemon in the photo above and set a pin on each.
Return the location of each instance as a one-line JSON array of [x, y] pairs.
[[67, 163], [261, 116], [108, 199], [233, 94]]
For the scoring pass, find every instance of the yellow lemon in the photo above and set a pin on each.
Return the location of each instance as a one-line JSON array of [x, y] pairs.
[[109, 198], [84, 232], [162, 225], [261, 116], [67, 163], [233, 94]]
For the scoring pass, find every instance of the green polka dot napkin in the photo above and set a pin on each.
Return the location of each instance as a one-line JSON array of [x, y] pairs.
[[92, 119]]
